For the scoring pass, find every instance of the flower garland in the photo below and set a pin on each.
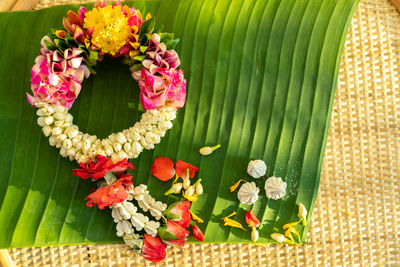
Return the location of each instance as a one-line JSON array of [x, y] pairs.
[[68, 55]]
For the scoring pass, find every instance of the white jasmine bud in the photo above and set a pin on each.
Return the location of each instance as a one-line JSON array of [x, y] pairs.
[[127, 147], [78, 146], [61, 138], [86, 146], [117, 147], [151, 138], [71, 152], [199, 189], [59, 116], [208, 149], [67, 143], [105, 142], [58, 108], [165, 125], [112, 138], [149, 146], [115, 158], [120, 138], [72, 133], [48, 120], [63, 152], [190, 191], [254, 234], [186, 183], [151, 228], [47, 130], [40, 112], [175, 189], [59, 143], [58, 123], [53, 140], [40, 121], [122, 155], [66, 124], [108, 150], [303, 213], [135, 136], [92, 138], [278, 237], [77, 139], [68, 117], [56, 131]]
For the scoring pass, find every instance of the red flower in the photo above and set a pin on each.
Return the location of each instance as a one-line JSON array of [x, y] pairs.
[[121, 166], [95, 169], [181, 169], [197, 234], [173, 234], [179, 213], [153, 248], [163, 168], [252, 220], [98, 168], [110, 194]]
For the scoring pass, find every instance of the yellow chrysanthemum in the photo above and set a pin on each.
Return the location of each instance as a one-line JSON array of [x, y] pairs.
[[110, 28]]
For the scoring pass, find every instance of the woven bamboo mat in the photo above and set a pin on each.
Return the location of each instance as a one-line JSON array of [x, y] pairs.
[[356, 221]]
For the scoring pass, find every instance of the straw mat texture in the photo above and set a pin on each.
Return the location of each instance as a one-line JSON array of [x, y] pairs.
[[357, 217]]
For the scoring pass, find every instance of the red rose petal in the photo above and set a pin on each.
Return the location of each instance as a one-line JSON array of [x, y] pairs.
[[181, 169], [163, 168]]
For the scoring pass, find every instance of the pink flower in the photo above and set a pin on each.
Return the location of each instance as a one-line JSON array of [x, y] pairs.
[[56, 78], [166, 87]]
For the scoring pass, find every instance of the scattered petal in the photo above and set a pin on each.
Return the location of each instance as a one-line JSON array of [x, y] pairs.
[[181, 168], [197, 234], [163, 168], [196, 218], [251, 219], [233, 187]]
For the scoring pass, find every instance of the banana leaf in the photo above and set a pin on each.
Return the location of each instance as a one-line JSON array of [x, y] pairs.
[[261, 82]]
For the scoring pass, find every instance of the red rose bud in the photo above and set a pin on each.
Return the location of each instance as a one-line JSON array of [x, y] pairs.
[[110, 194], [163, 168], [153, 248], [252, 220], [182, 167], [197, 234], [179, 213], [173, 234]]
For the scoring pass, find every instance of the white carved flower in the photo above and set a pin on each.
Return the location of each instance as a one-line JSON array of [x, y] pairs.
[[257, 168], [275, 188], [248, 193]]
